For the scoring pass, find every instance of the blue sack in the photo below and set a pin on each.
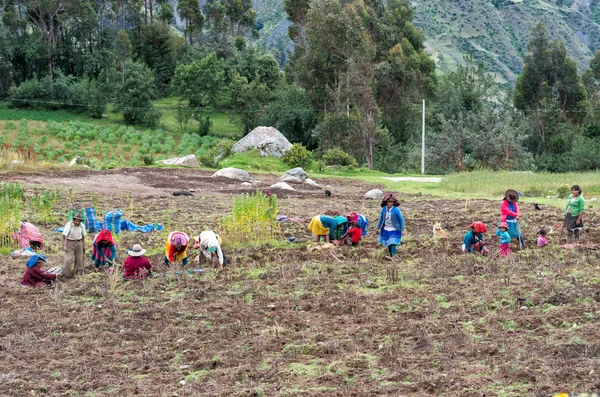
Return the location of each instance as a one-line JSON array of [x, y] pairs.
[[91, 223], [112, 221]]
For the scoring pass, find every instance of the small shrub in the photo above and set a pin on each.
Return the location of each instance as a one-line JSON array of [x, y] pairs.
[[147, 159], [253, 219], [563, 191], [337, 156], [296, 156]]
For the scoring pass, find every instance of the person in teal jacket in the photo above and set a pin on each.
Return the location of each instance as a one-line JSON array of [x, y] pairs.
[[391, 224]]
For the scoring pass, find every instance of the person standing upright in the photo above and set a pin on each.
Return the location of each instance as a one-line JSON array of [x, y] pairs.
[[573, 214], [391, 224], [73, 239]]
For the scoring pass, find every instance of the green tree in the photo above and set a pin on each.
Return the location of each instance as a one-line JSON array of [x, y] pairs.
[[136, 94], [247, 101], [201, 82], [549, 89], [190, 11]]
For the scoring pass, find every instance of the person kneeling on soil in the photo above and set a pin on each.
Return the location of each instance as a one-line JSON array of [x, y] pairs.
[[352, 236], [473, 241], [362, 220], [104, 250], [323, 226], [34, 276], [210, 243], [136, 265], [176, 248]]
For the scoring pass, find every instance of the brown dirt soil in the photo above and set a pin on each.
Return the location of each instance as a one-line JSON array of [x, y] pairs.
[[282, 321]]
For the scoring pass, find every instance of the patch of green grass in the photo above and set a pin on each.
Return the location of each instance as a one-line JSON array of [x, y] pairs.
[[311, 370], [251, 160]]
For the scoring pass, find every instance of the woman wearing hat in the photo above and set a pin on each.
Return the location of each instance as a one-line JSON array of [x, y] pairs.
[[573, 213], [210, 243], [136, 265], [509, 213], [104, 250], [391, 224], [73, 239]]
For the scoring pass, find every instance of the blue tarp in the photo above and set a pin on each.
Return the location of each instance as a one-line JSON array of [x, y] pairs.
[[125, 225]]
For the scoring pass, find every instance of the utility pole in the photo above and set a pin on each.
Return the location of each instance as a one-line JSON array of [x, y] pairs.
[[423, 142]]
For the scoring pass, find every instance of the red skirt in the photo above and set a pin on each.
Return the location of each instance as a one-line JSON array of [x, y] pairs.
[[504, 250]]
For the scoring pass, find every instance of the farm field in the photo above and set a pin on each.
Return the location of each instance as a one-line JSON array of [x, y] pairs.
[[283, 321]]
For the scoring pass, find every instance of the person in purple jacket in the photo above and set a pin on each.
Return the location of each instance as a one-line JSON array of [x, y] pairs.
[[34, 276]]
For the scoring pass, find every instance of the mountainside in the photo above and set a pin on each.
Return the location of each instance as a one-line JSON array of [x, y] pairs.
[[494, 32]]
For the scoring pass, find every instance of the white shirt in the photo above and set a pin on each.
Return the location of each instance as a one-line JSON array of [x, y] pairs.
[[73, 232], [210, 236]]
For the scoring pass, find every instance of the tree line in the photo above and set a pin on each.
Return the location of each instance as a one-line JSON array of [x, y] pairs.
[[354, 81]]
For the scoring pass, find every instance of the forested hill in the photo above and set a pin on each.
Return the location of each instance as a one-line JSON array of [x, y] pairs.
[[495, 32]]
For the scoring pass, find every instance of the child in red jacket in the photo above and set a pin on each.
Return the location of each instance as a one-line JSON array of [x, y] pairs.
[[34, 275], [352, 236]]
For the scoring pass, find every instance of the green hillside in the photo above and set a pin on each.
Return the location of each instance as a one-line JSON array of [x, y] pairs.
[[494, 32]]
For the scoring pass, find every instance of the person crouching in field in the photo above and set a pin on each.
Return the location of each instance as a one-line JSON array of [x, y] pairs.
[[352, 236], [210, 243], [361, 219], [34, 276], [502, 232], [136, 265], [176, 248], [391, 224], [473, 241], [104, 250], [323, 226], [541, 241]]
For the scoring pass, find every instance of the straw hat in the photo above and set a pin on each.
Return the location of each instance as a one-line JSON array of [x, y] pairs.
[[136, 250], [511, 195]]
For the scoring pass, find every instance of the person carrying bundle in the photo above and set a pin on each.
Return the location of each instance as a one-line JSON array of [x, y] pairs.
[[176, 248], [473, 241], [210, 243], [104, 250]]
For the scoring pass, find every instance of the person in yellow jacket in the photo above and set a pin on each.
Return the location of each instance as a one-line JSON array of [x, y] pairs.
[[176, 248]]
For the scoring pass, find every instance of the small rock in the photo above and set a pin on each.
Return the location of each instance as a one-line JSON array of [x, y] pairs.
[[246, 184], [184, 366], [310, 182], [73, 161], [233, 173], [186, 161], [523, 308], [182, 382], [282, 186]]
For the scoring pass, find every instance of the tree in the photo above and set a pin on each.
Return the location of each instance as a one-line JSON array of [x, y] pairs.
[[247, 101], [135, 97], [190, 11], [549, 89], [122, 52], [202, 83]]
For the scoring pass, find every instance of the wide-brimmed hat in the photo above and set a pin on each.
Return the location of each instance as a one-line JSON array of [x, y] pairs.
[[78, 215], [136, 250], [503, 224], [511, 195]]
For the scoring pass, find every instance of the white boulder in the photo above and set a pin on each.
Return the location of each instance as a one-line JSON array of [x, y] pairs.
[[73, 161], [310, 182], [282, 186], [233, 173], [374, 194], [295, 175], [187, 161], [268, 140]]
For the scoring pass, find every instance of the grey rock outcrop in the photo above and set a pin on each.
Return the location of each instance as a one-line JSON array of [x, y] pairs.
[[186, 161], [268, 140], [374, 194]]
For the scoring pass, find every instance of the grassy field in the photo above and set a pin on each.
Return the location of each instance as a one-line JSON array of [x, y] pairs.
[[281, 320]]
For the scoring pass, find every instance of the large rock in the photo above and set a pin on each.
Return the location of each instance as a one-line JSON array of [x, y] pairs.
[[295, 175], [310, 182], [187, 161], [282, 186], [233, 173], [374, 194], [268, 140]]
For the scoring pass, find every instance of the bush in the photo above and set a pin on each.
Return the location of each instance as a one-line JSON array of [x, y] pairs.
[[337, 156], [296, 156], [213, 157], [253, 219]]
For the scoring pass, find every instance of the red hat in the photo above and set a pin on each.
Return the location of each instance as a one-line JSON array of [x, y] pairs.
[[352, 217], [478, 226], [503, 224]]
